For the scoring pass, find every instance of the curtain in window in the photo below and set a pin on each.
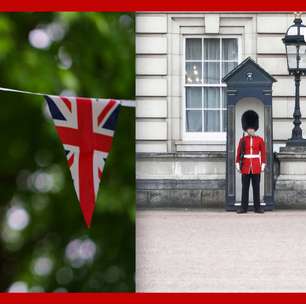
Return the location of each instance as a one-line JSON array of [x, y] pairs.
[[193, 57], [212, 49], [211, 53], [211, 121], [212, 72], [194, 98], [193, 49], [194, 120], [229, 49], [211, 97], [229, 55]]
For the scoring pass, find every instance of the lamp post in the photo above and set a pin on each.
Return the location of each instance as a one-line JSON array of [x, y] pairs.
[[295, 43]]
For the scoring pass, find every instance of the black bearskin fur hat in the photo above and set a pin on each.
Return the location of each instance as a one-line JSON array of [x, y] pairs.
[[249, 120]]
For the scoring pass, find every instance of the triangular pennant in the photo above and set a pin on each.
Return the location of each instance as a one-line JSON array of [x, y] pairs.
[[86, 128]]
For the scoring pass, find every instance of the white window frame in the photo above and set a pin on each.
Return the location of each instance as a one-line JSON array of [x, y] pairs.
[[203, 136]]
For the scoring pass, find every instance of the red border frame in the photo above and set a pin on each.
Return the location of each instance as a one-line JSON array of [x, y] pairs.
[[156, 5], [152, 298]]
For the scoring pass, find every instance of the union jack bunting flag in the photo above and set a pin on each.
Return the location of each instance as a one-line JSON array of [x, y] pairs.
[[86, 128]]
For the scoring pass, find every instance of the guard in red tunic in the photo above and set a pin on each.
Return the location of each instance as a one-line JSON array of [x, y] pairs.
[[250, 161]]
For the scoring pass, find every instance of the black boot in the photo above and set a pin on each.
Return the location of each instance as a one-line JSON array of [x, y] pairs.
[[241, 210], [259, 210]]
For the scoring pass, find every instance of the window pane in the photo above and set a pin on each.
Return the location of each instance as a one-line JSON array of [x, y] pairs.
[[211, 49], [292, 31], [227, 67], [291, 49], [194, 121], [302, 52], [224, 113], [229, 49], [212, 121], [194, 49], [193, 72], [211, 98], [291, 54], [212, 72], [194, 98], [292, 61]]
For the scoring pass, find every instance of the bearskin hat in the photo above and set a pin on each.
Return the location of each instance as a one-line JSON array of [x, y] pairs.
[[249, 120]]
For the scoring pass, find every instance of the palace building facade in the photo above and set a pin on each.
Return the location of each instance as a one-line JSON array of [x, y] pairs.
[[181, 124]]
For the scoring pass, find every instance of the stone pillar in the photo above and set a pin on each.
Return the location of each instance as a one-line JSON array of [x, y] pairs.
[[290, 187]]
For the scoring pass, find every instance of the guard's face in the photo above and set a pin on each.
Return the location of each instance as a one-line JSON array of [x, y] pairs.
[[251, 132]]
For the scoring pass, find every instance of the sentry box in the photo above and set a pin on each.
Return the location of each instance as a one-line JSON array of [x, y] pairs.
[[249, 88]]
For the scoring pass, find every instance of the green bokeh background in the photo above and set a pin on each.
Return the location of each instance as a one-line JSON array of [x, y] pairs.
[[44, 244]]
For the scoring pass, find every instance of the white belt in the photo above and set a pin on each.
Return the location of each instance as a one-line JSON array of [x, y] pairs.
[[251, 156]]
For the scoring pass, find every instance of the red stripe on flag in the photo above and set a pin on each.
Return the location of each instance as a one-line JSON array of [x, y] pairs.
[[67, 102], [87, 194], [100, 173], [73, 137], [70, 160], [68, 136], [102, 142]]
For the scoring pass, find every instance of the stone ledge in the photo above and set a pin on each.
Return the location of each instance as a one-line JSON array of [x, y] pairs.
[[290, 179], [189, 155], [180, 193], [190, 198], [290, 193], [209, 194], [292, 156], [292, 153], [168, 184]]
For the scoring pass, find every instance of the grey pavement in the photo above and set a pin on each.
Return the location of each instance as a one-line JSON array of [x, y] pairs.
[[215, 250]]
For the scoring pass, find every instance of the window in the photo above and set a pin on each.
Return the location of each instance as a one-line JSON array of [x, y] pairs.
[[207, 60]]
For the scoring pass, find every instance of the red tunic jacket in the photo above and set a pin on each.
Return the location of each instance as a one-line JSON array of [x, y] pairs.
[[254, 154]]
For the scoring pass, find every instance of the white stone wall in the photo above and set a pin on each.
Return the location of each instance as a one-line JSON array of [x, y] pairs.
[[159, 47]]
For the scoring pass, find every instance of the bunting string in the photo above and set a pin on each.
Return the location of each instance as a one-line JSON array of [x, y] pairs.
[[123, 102]]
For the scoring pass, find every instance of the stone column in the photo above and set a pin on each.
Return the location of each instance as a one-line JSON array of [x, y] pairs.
[[290, 187]]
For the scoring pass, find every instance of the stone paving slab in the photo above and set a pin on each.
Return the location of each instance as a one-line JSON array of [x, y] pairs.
[[179, 250]]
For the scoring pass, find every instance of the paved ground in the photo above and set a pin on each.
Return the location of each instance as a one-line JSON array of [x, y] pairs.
[[221, 251]]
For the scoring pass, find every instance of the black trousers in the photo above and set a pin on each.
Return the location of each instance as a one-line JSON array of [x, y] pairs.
[[246, 178]]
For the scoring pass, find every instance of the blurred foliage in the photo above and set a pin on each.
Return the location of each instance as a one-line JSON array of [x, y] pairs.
[[44, 245]]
